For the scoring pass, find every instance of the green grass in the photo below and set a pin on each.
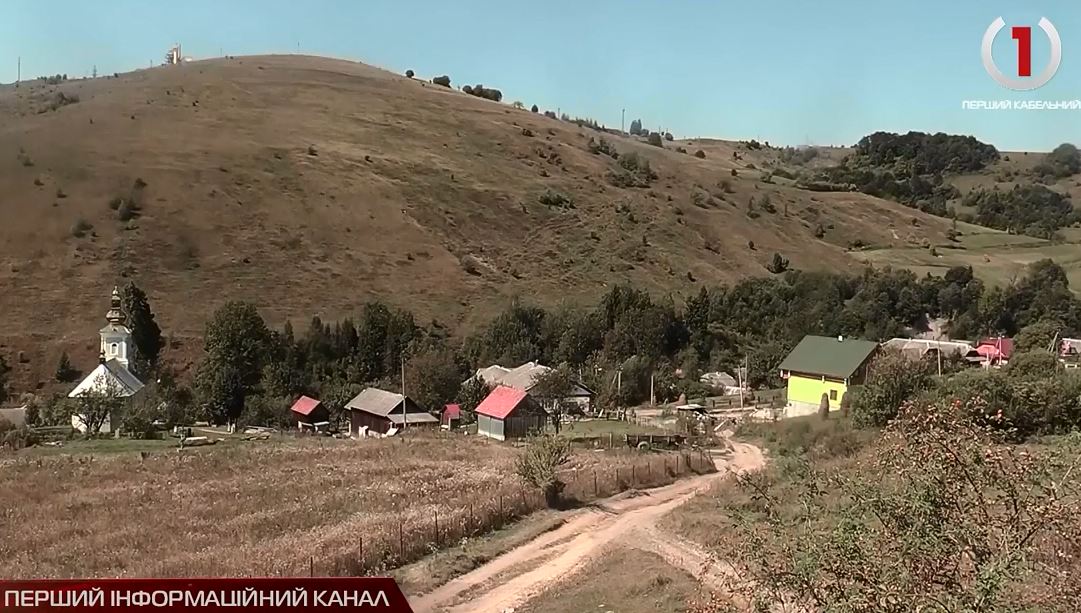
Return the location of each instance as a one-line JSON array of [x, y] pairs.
[[812, 436]]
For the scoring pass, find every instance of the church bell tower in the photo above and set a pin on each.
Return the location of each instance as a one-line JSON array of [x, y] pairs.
[[115, 336]]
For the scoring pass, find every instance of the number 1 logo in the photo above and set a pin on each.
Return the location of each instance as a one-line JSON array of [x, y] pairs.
[[1023, 36]]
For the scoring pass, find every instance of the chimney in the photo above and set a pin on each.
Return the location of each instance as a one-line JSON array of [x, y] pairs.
[[101, 358]]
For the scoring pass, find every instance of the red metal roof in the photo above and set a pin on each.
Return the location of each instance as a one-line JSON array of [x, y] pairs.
[[1000, 347], [452, 411], [304, 405], [501, 402]]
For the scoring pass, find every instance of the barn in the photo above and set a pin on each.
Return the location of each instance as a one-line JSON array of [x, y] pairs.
[[509, 413], [379, 412], [307, 412]]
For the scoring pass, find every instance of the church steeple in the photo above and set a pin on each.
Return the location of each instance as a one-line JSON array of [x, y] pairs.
[[116, 315], [115, 336]]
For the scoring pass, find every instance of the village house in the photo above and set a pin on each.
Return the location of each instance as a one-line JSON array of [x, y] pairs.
[[918, 349], [509, 413], [112, 376], [378, 412], [451, 416], [525, 378], [310, 414], [996, 351], [821, 369], [723, 382], [16, 416]]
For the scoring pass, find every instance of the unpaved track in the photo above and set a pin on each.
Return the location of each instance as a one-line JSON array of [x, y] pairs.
[[577, 542]]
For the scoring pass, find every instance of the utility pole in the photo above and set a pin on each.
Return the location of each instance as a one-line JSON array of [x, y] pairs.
[[20, 70], [741, 374], [94, 73], [405, 416], [652, 396], [622, 121], [939, 353]]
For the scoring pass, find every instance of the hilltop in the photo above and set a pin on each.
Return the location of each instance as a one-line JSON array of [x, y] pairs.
[[308, 186]]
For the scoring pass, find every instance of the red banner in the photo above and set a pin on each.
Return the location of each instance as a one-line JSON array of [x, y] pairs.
[[256, 594]]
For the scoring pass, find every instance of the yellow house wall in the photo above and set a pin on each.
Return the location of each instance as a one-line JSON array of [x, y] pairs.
[[810, 389]]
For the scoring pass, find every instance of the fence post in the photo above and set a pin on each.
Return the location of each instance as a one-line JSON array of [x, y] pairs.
[[401, 540], [595, 491], [501, 509], [311, 566], [634, 480], [363, 566], [611, 440], [649, 469], [437, 527]]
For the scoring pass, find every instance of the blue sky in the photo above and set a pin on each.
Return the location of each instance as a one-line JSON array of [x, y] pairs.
[[788, 72]]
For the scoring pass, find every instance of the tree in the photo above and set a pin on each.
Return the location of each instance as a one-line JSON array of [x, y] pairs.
[[409, 73], [64, 371], [145, 333], [434, 376], [237, 344], [551, 389], [534, 108], [539, 463], [668, 136], [655, 139], [636, 127], [471, 394], [4, 370], [778, 264], [443, 80], [891, 379], [1039, 336], [100, 403]]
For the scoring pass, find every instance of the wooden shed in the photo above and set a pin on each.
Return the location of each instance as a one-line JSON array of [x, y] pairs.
[[380, 411], [509, 413], [307, 412]]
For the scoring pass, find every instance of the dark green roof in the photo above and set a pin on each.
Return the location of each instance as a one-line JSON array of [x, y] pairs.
[[829, 357]]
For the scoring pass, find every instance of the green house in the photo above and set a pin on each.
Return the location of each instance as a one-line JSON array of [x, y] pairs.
[[822, 368]]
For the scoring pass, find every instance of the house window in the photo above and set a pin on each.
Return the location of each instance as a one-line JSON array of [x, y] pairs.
[[833, 394]]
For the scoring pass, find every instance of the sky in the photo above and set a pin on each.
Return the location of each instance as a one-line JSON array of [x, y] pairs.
[[787, 72]]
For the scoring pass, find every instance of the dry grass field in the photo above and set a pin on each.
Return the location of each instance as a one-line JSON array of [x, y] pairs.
[[271, 508], [310, 185]]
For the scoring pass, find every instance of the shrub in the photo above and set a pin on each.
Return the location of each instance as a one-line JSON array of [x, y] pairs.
[[443, 80], [668, 136], [735, 173], [480, 91], [409, 74], [700, 154], [115, 203], [60, 193], [534, 108], [778, 264], [539, 463], [550, 114], [891, 380], [527, 132], [80, 228], [820, 231], [552, 198], [726, 185], [126, 211], [470, 264], [654, 139], [602, 146], [633, 171]]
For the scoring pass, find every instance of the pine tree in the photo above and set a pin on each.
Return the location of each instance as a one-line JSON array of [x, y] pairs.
[[64, 371], [145, 333]]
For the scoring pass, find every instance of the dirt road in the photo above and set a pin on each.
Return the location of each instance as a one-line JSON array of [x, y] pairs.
[[514, 578]]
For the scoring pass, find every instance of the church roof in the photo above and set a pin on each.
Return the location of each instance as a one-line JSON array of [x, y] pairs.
[[109, 375]]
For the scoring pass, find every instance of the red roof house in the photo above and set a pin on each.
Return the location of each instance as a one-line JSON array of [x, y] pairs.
[[451, 414], [509, 413], [995, 350], [309, 411]]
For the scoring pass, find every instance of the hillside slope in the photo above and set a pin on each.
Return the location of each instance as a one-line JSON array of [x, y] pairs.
[[309, 186]]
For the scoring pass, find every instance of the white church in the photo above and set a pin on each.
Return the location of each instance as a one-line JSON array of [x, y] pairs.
[[112, 374]]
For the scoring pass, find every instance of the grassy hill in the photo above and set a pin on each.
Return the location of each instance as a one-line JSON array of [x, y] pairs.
[[309, 186]]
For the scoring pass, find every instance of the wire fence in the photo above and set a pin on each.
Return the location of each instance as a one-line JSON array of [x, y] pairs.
[[398, 543]]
